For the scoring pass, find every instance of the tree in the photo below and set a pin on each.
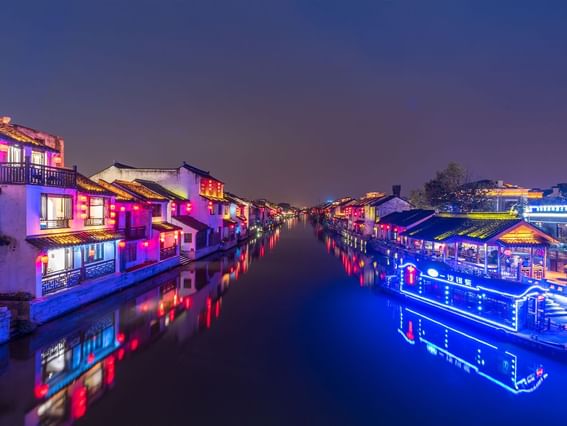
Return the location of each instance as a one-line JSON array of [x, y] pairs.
[[440, 191], [451, 190], [418, 199]]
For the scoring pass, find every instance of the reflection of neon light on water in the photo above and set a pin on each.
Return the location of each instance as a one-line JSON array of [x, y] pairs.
[[486, 355]]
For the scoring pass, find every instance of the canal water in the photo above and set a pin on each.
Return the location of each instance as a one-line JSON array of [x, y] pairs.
[[288, 329]]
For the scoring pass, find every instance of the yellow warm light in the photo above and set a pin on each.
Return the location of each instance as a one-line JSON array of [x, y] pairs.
[[525, 235], [481, 215], [514, 192]]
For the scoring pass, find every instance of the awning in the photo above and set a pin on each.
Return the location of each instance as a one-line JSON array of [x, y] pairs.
[[191, 222], [228, 222], [165, 227], [214, 199], [73, 239]]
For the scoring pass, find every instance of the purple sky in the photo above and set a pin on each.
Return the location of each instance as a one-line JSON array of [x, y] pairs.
[[296, 101]]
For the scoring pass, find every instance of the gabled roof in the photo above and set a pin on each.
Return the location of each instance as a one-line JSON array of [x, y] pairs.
[[122, 166], [199, 172], [469, 229], [139, 191], [84, 184], [191, 222], [10, 133], [406, 218], [121, 195], [383, 200], [157, 188], [234, 199]]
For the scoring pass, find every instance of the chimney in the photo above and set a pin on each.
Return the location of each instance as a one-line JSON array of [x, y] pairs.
[[5, 119], [396, 190]]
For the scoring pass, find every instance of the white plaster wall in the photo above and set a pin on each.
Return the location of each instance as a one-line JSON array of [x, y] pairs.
[[19, 260], [180, 181]]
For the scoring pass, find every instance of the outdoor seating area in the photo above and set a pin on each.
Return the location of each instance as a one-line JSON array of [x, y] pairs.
[[492, 245]]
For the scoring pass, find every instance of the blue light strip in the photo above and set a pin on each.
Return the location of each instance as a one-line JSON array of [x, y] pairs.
[[477, 288], [468, 315], [486, 376], [481, 320], [452, 329]]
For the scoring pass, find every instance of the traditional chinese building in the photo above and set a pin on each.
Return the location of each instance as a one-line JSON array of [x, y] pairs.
[[495, 245], [203, 192]]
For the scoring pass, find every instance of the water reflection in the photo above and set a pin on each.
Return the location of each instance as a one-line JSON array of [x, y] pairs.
[[367, 267], [56, 374], [514, 369], [472, 353]]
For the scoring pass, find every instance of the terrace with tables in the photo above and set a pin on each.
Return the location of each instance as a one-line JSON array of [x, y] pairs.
[[485, 244]]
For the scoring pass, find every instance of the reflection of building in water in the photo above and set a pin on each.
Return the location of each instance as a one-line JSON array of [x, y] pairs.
[[361, 265], [55, 375], [472, 354], [74, 371]]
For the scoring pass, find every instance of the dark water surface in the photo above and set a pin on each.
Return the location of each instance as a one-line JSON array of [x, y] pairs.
[[285, 330]]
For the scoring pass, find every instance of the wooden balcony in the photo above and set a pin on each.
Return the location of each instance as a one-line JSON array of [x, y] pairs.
[[36, 174]]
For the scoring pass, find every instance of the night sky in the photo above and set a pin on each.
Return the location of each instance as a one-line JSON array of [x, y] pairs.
[[296, 101]]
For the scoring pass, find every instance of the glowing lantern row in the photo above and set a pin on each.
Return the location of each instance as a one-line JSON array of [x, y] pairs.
[[83, 206], [112, 220]]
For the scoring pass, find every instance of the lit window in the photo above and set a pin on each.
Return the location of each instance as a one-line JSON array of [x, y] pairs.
[[94, 253], [56, 211]]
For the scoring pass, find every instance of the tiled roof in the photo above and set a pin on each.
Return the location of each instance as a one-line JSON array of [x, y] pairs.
[[84, 184], [157, 188], [123, 166], [165, 227], [382, 200], [73, 239], [234, 198], [10, 133], [139, 190], [191, 222], [120, 194], [406, 218], [463, 228], [214, 199], [198, 171]]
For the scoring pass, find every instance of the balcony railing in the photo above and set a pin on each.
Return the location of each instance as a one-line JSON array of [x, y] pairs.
[[60, 280], [167, 252], [99, 269], [134, 233], [54, 223], [37, 174], [93, 221]]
